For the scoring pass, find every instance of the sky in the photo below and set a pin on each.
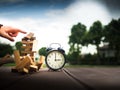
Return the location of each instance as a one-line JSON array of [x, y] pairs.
[[51, 20]]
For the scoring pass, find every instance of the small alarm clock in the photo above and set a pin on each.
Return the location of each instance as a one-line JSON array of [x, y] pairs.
[[55, 58]]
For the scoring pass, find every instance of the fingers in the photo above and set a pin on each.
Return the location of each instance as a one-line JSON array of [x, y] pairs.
[[13, 34], [21, 31], [9, 32], [8, 37], [15, 30]]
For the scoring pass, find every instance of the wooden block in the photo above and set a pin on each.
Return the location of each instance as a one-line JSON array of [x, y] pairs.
[[26, 61], [42, 59], [39, 65], [30, 35], [27, 42], [24, 39], [34, 47], [17, 57], [33, 68], [33, 38], [41, 62], [23, 70], [31, 60]]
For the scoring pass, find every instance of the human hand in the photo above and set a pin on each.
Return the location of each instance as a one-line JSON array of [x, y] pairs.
[[10, 32]]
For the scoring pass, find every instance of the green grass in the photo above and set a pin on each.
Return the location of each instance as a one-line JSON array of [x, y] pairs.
[[9, 64]]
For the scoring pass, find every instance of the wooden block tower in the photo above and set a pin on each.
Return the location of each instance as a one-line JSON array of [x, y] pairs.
[[24, 59], [28, 45]]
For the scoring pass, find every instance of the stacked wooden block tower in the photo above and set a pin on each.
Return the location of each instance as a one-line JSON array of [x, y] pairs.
[[28, 45], [24, 59]]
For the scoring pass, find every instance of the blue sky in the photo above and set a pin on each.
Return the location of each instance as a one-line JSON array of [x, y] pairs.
[[32, 8], [52, 20]]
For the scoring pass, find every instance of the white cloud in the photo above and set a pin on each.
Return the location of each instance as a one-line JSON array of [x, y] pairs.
[[56, 25]]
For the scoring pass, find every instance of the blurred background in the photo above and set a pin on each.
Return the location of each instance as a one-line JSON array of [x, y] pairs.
[[88, 30]]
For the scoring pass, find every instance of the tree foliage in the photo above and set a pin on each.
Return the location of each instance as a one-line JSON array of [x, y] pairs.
[[42, 51], [112, 36], [18, 45], [112, 33], [76, 37], [96, 34], [5, 49]]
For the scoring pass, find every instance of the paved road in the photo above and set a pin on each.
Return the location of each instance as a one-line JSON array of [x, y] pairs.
[[98, 78], [84, 79], [43, 79]]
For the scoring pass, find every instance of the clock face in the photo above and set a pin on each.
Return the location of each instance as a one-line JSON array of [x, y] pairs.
[[55, 60]]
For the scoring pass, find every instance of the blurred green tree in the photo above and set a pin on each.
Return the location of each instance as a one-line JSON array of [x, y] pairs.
[[5, 49], [76, 40], [95, 34], [18, 46], [112, 36], [42, 51]]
